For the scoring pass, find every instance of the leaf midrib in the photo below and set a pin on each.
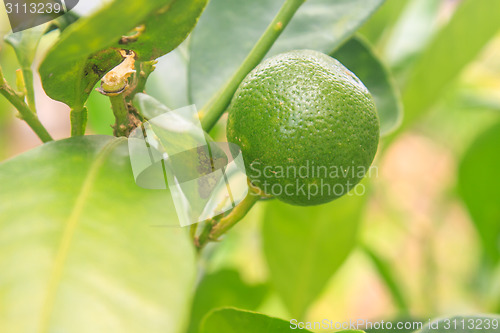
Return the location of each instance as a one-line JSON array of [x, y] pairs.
[[67, 235]]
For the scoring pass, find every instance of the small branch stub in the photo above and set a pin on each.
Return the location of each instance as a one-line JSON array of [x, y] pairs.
[[116, 81], [114, 85], [25, 113]]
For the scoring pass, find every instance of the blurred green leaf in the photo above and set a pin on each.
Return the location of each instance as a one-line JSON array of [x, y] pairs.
[[168, 83], [460, 324], [234, 320], [386, 273], [358, 57], [228, 30], [305, 246], [101, 116], [456, 45], [72, 83], [25, 44], [79, 250], [383, 20], [479, 187], [416, 26], [224, 289], [148, 106]]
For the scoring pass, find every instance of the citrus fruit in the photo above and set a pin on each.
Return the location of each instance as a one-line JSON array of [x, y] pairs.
[[307, 127]]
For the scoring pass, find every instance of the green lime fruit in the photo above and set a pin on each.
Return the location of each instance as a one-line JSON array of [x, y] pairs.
[[307, 127]]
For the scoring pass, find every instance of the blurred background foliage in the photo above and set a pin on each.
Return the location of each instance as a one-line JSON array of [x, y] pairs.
[[425, 239]]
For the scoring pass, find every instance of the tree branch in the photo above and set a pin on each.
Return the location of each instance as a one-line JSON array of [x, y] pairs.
[[214, 109], [25, 113]]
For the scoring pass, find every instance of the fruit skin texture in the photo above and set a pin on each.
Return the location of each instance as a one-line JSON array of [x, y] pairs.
[[303, 110]]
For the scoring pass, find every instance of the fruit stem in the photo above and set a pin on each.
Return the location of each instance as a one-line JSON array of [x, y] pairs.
[[204, 237], [25, 113], [217, 227], [235, 216], [216, 106]]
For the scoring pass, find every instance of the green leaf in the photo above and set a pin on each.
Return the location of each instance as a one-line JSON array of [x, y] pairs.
[[479, 188], [166, 29], [229, 29], [386, 273], [62, 22], [25, 43], [383, 20], [234, 320], [79, 244], [72, 83], [224, 289], [100, 116], [148, 106], [358, 57], [456, 45], [168, 83], [103, 29], [82, 56], [420, 21], [460, 324], [305, 246]]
